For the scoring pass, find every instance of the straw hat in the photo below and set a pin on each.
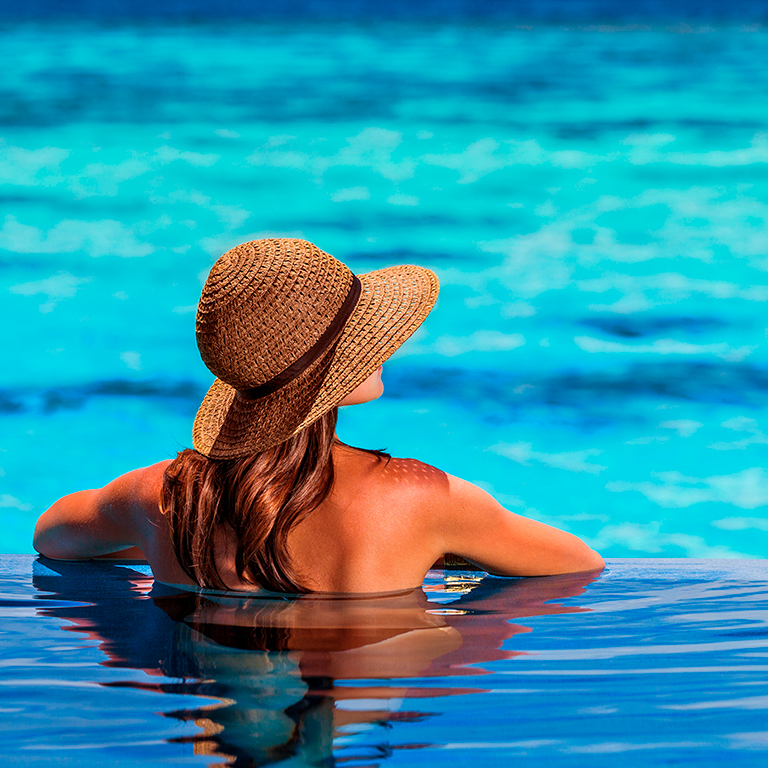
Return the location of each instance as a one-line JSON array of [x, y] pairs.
[[289, 331]]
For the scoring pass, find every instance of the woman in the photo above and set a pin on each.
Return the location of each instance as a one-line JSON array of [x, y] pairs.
[[270, 498]]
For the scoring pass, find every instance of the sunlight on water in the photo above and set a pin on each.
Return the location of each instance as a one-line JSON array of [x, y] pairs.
[[592, 201]]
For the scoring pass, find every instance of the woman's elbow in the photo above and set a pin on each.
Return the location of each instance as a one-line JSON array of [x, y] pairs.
[[48, 541], [593, 561], [59, 531], [572, 556], [582, 559], [44, 540]]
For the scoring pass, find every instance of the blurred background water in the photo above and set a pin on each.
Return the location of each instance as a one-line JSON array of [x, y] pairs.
[[588, 181]]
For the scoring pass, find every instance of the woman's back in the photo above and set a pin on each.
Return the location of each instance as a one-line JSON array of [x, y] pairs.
[[371, 534]]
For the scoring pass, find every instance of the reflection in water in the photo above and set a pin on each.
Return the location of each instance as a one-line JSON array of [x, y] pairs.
[[307, 676]]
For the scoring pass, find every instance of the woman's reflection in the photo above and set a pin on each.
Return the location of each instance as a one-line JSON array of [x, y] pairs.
[[290, 676]]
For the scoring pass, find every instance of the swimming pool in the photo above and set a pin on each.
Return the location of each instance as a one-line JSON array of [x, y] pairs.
[[591, 192], [592, 197], [652, 663]]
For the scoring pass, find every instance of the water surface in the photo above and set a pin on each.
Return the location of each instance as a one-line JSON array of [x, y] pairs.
[[654, 662]]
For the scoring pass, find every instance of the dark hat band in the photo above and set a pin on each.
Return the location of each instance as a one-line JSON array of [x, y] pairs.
[[331, 333]]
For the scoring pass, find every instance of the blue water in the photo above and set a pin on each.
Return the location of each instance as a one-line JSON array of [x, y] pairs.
[[592, 197], [655, 662]]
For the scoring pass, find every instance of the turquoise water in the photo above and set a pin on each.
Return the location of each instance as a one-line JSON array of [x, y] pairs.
[[651, 663], [592, 198]]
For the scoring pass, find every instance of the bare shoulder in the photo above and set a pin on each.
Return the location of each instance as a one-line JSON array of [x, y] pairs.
[[406, 473], [409, 484], [437, 492], [412, 475], [137, 488], [400, 488], [99, 521]]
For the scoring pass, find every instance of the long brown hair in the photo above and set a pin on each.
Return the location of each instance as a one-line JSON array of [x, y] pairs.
[[257, 499]]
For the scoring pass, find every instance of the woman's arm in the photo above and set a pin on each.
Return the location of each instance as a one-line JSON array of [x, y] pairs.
[[474, 525], [102, 521]]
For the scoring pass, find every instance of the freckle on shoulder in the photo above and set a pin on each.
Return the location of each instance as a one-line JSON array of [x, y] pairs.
[[416, 474]]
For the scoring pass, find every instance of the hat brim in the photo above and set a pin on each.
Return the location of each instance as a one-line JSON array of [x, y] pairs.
[[393, 303]]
